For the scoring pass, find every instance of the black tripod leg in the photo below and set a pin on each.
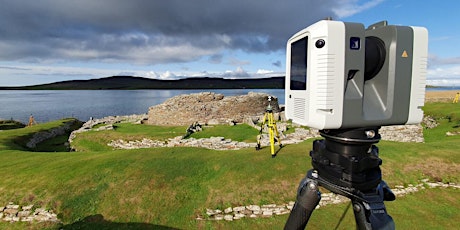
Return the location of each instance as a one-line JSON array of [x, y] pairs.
[[371, 213], [362, 221], [308, 197]]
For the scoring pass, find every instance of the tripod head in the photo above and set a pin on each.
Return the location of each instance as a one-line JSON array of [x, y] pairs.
[[269, 108], [348, 157]]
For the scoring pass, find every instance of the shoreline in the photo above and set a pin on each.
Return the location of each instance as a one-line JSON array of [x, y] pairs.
[[431, 96]]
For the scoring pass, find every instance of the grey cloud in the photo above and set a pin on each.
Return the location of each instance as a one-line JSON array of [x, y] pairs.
[[108, 29], [13, 68], [434, 60], [216, 58], [277, 63]]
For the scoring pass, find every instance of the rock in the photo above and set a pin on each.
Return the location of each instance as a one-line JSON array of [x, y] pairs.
[[452, 133], [10, 211], [12, 206], [228, 217], [429, 122], [239, 216], [211, 212], [239, 209], [228, 210], [253, 207], [267, 213], [23, 213]]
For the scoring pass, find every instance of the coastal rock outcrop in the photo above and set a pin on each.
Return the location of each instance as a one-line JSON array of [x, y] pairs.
[[210, 108]]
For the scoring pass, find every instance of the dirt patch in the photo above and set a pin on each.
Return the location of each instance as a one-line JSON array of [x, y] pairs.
[[434, 168], [234, 194]]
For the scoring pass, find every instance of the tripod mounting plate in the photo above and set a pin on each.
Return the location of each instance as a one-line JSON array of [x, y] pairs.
[[348, 158]]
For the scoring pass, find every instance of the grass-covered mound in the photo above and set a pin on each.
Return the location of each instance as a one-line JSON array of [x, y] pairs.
[[11, 124], [165, 188]]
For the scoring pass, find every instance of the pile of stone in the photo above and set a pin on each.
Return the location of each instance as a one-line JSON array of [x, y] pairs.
[[429, 122], [255, 211], [210, 108], [402, 133], [14, 213]]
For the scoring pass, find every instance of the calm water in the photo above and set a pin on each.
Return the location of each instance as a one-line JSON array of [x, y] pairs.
[[48, 105]]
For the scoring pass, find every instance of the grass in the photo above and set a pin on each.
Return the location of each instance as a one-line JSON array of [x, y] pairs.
[[164, 188], [157, 132], [242, 133]]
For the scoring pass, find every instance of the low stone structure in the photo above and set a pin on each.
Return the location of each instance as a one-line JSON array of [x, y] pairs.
[[107, 123], [216, 143], [407, 133], [260, 211], [46, 135], [212, 108], [209, 108], [27, 213]]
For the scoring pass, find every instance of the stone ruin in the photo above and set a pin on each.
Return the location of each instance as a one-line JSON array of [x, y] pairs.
[[27, 213], [210, 108]]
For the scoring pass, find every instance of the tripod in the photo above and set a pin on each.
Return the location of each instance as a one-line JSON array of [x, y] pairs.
[[346, 162], [272, 129]]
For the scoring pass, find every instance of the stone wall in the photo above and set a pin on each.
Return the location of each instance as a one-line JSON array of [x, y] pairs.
[[46, 135], [268, 210], [209, 108]]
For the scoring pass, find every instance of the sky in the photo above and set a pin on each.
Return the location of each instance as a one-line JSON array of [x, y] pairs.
[[46, 41]]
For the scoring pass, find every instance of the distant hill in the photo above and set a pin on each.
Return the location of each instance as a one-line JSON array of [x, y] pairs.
[[129, 82]]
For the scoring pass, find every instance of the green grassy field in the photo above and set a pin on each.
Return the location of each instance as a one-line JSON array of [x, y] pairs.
[[166, 188]]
